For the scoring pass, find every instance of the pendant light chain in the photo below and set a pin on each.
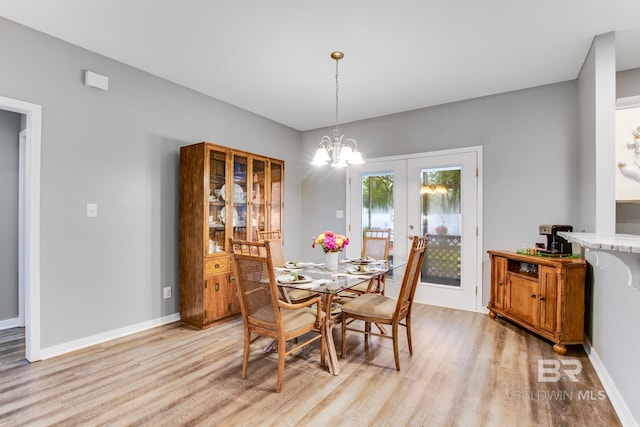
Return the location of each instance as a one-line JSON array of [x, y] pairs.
[[336, 94]]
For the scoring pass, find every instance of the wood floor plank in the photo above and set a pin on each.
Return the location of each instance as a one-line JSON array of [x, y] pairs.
[[467, 370]]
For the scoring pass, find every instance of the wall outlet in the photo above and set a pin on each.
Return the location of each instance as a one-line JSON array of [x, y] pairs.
[[167, 292]]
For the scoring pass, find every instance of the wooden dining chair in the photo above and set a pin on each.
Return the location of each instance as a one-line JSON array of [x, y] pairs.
[[268, 234], [289, 295], [375, 244], [376, 308], [264, 313]]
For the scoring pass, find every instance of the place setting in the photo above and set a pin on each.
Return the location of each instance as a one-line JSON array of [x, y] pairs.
[[301, 281], [364, 269], [293, 266], [294, 278], [364, 260]]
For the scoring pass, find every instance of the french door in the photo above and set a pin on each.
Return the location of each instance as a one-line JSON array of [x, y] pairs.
[[378, 199], [430, 193]]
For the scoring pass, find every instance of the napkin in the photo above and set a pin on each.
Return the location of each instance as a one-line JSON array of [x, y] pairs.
[[312, 285]]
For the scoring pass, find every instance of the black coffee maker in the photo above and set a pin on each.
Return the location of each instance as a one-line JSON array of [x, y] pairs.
[[555, 244]]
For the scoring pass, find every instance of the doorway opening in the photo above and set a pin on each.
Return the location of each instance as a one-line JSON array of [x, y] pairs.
[[30, 247]]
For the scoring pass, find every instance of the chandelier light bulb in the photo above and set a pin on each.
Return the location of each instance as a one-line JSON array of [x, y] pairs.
[[356, 157], [345, 153], [321, 157]]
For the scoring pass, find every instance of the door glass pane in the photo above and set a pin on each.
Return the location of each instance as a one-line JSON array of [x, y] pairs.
[[257, 198], [217, 237], [238, 214], [275, 215], [441, 218], [377, 203]]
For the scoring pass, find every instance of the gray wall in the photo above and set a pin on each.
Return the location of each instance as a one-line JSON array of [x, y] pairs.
[[628, 218], [597, 103], [529, 140], [119, 149], [9, 129], [628, 83], [628, 214]]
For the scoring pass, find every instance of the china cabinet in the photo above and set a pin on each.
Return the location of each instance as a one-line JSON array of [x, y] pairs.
[[543, 294], [223, 193]]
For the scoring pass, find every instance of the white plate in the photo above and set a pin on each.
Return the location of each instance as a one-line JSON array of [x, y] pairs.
[[292, 266], [354, 271], [364, 260], [288, 279], [238, 193], [235, 215]]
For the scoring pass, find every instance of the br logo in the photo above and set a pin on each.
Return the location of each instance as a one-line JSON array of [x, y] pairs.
[[551, 370]]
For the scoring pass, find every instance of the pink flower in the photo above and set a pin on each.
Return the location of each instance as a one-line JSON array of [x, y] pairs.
[[330, 242]]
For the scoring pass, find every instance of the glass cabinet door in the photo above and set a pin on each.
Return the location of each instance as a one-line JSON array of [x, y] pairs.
[[216, 204], [258, 175], [275, 197], [238, 196]]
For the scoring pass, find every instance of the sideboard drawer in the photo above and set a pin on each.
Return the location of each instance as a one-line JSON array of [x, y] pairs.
[[216, 265]]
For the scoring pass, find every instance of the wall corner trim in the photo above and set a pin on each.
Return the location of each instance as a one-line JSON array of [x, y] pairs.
[[619, 405]]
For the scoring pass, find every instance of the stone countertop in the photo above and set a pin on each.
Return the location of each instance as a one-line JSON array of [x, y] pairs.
[[608, 242]]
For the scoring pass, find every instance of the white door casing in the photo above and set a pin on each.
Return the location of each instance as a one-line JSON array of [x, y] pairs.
[[31, 246], [406, 222]]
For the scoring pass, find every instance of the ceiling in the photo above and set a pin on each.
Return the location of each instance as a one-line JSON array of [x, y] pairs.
[[272, 57]]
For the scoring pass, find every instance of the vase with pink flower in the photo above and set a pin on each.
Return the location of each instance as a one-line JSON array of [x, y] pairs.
[[331, 244]]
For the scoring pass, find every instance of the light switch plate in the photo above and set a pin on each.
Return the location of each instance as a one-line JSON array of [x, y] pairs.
[[92, 210], [339, 214]]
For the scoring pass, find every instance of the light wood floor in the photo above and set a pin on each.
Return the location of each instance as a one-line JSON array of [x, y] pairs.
[[467, 370]]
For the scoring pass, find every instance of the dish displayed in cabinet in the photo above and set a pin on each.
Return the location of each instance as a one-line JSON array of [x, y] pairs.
[[238, 193]]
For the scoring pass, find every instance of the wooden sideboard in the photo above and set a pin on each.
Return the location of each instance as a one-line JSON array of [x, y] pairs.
[[542, 294]]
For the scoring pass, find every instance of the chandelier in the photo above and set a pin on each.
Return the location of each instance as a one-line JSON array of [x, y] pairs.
[[337, 150]]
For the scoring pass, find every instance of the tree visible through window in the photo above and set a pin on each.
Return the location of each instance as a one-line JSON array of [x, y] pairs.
[[377, 202]]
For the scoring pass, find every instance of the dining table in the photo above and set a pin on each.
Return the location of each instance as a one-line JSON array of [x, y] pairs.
[[315, 277]]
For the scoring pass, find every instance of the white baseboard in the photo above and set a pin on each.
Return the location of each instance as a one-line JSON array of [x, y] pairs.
[[67, 347], [10, 323], [619, 405]]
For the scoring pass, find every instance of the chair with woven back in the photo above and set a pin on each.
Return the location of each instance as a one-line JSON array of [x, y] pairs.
[[277, 255], [381, 309], [375, 244], [264, 313], [268, 234]]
